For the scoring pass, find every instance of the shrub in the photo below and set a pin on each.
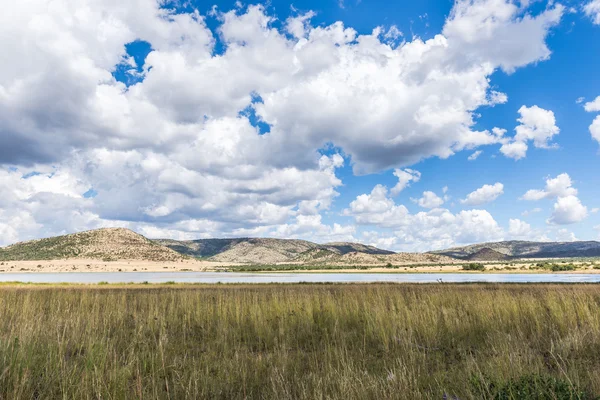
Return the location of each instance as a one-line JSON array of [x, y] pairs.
[[562, 267], [473, 267]]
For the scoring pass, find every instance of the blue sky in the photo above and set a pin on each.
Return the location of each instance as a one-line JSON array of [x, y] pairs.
[[194, 120]]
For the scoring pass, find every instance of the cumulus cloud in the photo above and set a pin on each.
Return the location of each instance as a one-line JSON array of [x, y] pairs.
[[405, 176], [537, 125], [519, 229], [437, 228], [483, 195], [594, 106], [564, 235], [595, 129], [568, 210], [490, 29], [429, 200], [592, 10], [174, 151], [561, 186]]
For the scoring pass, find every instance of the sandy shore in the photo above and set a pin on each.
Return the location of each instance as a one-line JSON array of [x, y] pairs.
[[82, 265], [515, 267]]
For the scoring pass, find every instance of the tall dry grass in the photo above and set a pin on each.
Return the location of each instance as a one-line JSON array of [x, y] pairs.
[[300, 342]]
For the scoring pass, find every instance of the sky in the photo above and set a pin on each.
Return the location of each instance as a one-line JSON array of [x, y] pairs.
[[411, 126]]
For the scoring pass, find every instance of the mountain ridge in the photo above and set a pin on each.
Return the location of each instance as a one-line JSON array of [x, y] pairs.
[[268, 250], [113, 244], [527, 249]]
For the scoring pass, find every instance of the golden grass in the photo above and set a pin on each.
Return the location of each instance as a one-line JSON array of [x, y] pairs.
[[378, 341]]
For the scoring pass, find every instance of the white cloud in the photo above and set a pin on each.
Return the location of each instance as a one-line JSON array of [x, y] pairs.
[[537, 125], [595, 129], [437, 228], [393, 33], [404, 176], [592, 10], [497, 98], [487, 29], [175, 153], [561, 186], [475, 155], [515, 150], [568, 210], [594, 106], [519, 229], [483, 195], [563, 235], [312, 226], [429, 200]]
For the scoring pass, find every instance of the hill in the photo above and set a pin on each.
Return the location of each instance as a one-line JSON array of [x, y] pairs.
[[268, 251], [104, 244], [487, 254], [252, 250], [273, 251], [524, 249], [347, 247]]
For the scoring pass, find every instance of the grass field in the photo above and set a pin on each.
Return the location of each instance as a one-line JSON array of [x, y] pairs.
[[379, 341]]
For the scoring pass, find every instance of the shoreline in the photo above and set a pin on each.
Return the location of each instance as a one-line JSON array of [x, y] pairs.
[[140, 266]]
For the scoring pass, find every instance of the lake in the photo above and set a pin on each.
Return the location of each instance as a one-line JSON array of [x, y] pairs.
[[290, 277]]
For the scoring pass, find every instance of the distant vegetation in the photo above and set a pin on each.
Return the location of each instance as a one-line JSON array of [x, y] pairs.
[[300, 342], [320, 267], [473, 267], [555, 267]]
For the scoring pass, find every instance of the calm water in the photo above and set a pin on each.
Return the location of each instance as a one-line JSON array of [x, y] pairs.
[[234, 277]]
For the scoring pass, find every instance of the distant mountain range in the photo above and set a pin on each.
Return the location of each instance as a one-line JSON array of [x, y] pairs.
[[522, 249], [111, 244], [274, 251], [266, 250], [123, 244]]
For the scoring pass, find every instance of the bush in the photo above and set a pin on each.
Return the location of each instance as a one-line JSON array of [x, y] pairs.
[[562, 267], [473, 267]]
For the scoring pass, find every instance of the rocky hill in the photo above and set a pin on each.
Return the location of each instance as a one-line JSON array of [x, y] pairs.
[[523, 249], [252, 250], [487, 254], [122, 244], [272, 251], [104, 244], [347, 247]]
